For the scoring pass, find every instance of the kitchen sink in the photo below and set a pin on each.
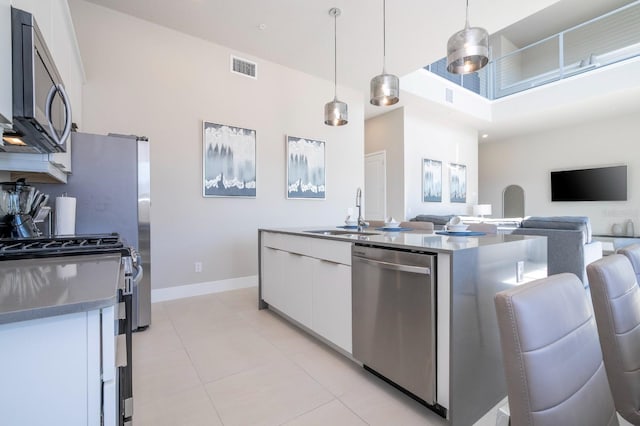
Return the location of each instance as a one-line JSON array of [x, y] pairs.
[[343, 233]]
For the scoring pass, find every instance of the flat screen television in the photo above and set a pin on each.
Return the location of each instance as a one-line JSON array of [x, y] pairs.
[[597, 184]]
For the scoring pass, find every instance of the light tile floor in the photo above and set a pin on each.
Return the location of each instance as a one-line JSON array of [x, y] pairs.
[[218, 360]]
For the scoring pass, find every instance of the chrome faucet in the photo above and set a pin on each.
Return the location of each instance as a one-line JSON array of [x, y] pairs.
[[361, 222]]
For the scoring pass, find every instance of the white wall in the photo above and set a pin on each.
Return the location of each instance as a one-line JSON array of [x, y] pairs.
[[528, 160], [425, 137], [148, 80], [386, 133], [408, 135]]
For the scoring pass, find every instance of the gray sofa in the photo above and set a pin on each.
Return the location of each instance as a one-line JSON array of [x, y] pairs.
[[504, 225], [438, 220], [569, 244], [570, 247]]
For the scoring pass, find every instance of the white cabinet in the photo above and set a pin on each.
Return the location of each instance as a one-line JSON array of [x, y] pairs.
[[297, 287], [51, 370], [272, 272], [6, 100], [332, 302], [36, 168], [287, 283], [309, 280]]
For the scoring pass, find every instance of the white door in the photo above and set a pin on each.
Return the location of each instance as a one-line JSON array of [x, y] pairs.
[[375, 185]]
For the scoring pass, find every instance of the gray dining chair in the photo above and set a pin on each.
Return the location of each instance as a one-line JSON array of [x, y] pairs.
[[616, 302], [551, 355], [487, 228], [375, 223], [633, 254], [421, 226]]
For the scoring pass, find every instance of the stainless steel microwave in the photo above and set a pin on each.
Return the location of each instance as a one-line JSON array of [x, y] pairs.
[[41, 106]]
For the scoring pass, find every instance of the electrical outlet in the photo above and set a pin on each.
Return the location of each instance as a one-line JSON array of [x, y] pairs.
[[520, 271], [198, 266]]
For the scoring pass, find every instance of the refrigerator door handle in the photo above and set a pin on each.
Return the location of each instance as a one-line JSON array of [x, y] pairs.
[[128, 407], [121, 350]]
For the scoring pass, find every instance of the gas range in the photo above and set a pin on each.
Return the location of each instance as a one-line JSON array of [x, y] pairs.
[[28, 264], [72, 245]]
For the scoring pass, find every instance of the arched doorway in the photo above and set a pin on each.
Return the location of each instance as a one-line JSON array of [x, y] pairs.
[[513, 201]]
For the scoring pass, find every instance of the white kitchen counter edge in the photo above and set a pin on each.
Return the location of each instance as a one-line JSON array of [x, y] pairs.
[[416, 239]]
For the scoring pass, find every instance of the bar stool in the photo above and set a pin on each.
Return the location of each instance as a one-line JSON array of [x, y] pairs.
[[616, 302], [551, 355], [633, 254]]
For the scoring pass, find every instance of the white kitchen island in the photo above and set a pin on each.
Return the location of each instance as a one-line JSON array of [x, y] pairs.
[[306, 277]]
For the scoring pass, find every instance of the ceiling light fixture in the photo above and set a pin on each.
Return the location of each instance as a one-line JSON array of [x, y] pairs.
[[385, 88], [468, 49], [335, 112]]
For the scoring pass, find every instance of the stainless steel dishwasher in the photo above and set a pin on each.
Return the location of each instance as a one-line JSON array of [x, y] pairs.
[[393, 306]]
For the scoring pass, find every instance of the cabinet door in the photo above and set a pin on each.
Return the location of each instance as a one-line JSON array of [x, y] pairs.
[[297, 289], [43, 365], [332, 302], [286, 283], [272, 284]]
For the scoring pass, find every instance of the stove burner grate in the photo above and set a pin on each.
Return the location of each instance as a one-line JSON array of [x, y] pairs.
[[25, 248]]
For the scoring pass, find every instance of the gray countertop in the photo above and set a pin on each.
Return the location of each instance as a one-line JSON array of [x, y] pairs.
[[38, 288], [407, 239]]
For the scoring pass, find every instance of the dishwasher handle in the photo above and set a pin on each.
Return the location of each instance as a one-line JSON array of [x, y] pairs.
[[396, 267]]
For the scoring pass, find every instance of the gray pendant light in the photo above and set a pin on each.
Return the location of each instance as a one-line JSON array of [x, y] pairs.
[[335, 112], [385, 88], [468, 49]]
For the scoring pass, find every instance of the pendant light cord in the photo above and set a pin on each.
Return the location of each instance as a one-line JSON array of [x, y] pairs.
[[466, 25], [384, 36], [335, 56]]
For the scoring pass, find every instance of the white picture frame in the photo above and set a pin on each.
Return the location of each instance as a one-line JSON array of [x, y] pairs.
[[306, 169], [228, 161]]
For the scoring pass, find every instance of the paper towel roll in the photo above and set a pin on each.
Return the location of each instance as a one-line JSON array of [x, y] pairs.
[[65, 215]]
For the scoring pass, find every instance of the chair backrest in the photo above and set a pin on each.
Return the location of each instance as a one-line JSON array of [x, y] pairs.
[[633, 254], [422, 226], [551, 355], [616, 302], [375, 223], [487, 228]]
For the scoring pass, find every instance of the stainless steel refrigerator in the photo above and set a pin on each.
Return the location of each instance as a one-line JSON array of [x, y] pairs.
[[110, 180]]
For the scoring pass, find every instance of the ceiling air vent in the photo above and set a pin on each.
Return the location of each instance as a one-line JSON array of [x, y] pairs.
[[244, 67]]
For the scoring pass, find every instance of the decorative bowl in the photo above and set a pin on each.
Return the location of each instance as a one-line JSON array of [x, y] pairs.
[[457, 228]]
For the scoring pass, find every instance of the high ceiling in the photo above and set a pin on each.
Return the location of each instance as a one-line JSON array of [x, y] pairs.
[[299, 33]]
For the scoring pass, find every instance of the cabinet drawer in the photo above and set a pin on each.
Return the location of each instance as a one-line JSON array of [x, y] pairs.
[[333, 251], [290, 243]]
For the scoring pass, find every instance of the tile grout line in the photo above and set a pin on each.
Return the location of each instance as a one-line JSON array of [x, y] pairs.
[[354, 413], [289, 358], [335, 397], [202, 384]]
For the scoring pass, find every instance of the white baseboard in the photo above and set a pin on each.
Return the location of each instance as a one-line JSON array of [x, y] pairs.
[[198, 289]]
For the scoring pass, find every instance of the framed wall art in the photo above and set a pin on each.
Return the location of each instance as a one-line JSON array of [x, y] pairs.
[[305, 168], [458, 183], [229, 161], [431, 180]]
